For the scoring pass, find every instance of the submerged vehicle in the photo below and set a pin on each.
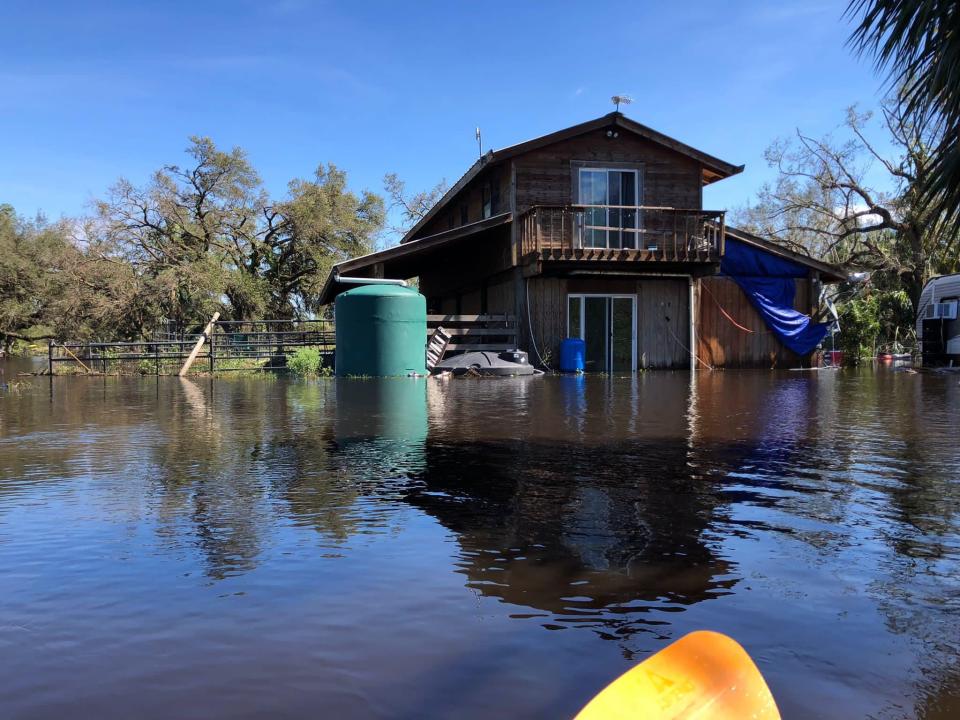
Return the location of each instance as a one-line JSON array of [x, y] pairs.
[[510, 363]]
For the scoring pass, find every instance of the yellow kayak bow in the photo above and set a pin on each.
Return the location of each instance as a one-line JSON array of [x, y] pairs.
[[702, 675]]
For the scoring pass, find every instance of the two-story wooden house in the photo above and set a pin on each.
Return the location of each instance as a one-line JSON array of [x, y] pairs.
[[598, 231]]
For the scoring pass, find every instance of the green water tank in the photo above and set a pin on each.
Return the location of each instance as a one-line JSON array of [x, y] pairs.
[[381, 331]]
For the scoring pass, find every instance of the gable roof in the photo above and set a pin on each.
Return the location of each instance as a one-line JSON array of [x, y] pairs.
[[829, 272], [713, 167]]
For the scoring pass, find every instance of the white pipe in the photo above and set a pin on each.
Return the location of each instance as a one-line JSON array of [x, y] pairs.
[[368, 281], [693, 325]]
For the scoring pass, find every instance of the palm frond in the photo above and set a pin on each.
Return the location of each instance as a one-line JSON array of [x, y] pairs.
[[917, 42]]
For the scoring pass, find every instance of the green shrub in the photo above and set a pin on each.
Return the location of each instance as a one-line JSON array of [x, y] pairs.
[[876, 322], [307, 362]]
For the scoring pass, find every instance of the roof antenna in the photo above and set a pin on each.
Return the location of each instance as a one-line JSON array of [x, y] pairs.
[[619, 100], [479, 142]]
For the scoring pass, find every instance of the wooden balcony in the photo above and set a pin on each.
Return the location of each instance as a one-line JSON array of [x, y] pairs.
[[621, 233]]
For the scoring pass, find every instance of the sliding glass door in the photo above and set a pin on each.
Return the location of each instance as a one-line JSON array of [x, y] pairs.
[[607, 325], [612, 223]]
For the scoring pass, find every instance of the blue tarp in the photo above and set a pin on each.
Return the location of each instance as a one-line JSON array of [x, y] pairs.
[[769, 282]]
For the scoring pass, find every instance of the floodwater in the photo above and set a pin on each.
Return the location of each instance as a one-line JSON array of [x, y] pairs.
[[250, 548]]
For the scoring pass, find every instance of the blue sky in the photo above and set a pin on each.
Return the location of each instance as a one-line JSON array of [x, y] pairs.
[[93, 91]]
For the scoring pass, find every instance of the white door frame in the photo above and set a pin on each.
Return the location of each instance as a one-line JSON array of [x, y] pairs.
[[633, 323]]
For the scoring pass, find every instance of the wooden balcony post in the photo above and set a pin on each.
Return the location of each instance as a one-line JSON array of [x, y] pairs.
[[553, 229], [675, 219], [538, 223], [563, 229], [528, 232]]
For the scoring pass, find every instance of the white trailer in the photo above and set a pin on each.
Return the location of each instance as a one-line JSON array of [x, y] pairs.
[[938, 327]]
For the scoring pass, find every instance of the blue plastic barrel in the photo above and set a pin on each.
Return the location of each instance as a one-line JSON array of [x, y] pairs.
[[572, 351]]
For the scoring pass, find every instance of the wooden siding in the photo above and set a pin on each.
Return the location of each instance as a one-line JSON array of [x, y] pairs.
[[662, 328], [545, 176], [663, 323], [720, 343], [466, 269], [500, 296], [663, 320], [548, 316], [472, 197]]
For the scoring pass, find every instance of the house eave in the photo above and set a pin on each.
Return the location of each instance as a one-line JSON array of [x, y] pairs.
[[364, 263]]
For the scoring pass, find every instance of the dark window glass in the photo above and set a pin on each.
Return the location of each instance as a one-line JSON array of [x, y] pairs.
[[494, 196], [463, 214]]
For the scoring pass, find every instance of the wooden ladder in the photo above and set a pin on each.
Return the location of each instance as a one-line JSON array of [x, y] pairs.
[[437, 347]]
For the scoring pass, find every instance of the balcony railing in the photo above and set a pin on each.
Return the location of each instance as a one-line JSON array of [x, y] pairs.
[[622, 232]]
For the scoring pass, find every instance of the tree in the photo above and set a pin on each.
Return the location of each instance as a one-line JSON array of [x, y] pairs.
[[918, 43], [412, 207], [181, 230], [32, 256], [55, 283], [194, 239], [102, 295], [823, 201], [320, 224], [873, 321], [208, 237]]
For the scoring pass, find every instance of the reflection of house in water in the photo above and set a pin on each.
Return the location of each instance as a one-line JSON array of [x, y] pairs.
[[584, 534], [594, 528]]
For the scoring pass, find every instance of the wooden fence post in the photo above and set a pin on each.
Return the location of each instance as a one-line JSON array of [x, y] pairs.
[[196, 348], [71, 354]]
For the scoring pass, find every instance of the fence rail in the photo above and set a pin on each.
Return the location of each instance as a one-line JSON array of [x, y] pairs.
[[233, 345], [497, 332], [262, 344]]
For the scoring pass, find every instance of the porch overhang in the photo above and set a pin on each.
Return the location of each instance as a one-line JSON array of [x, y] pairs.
[[406, 261]]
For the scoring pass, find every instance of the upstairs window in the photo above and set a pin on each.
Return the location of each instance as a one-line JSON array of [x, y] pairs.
[[491, 197], [611, 218], [463, 214]]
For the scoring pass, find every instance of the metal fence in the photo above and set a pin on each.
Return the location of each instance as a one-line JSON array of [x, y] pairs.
[[232, 345]]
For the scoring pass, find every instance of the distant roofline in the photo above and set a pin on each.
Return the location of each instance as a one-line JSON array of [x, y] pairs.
[[718, 169]]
